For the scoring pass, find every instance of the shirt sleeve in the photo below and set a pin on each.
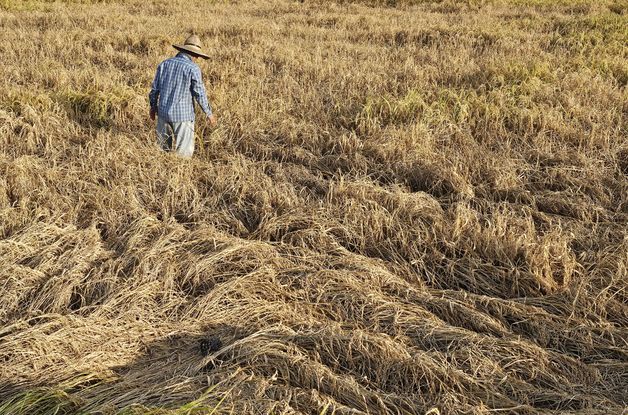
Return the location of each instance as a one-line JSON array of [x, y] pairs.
[[154, 92], [198, 91]]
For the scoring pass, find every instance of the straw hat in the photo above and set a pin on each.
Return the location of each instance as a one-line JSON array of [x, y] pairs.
[[192, 46]]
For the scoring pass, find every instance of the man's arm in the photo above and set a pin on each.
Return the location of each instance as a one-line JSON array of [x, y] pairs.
[[154, 94], [198, 92]]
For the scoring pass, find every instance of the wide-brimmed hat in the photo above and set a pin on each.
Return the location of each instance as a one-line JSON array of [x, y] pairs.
[[192, 46]]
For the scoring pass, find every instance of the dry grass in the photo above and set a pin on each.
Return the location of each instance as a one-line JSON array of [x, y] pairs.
[[408, 205]]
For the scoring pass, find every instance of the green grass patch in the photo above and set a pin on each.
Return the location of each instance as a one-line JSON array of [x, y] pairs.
[[36, 5], [616, 69], [43, 401], [60, 401], [508, 73], [605, 33], [18, 101], [444, 106], [388, 110], [96, 107], [19, 5]]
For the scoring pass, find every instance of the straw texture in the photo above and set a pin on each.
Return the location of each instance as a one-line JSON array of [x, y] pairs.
[[408, 208]]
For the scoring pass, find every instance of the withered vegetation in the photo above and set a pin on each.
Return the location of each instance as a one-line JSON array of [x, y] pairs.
[[408, 206]]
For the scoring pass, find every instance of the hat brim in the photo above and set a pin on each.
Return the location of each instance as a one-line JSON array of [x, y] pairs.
[[191, 52]]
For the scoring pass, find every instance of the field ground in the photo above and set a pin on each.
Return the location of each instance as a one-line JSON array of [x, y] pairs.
[[407, 205]]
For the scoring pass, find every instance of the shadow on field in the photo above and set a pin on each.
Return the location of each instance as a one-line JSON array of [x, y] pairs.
[[172, 371], [180, 351]]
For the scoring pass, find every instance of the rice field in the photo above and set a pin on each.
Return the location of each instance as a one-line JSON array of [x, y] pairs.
[[408, 207]]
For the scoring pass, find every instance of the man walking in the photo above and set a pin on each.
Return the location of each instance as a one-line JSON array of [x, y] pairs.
[[177, 83]]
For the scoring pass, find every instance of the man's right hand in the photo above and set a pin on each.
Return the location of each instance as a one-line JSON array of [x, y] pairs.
[[212, 120]]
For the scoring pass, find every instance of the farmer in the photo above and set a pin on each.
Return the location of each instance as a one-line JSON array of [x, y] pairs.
[[177, 81]]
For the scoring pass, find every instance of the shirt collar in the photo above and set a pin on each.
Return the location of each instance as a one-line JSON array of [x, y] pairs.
[[184, 55]]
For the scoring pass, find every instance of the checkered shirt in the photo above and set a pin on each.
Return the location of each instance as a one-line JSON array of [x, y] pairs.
[[176, 82]]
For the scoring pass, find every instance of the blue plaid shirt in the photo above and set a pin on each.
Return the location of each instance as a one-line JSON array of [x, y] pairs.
[[177, 81]]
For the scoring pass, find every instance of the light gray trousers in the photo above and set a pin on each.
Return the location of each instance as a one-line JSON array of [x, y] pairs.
[[179, 133]]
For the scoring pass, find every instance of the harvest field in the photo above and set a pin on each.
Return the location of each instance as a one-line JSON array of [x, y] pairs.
[[408, 207]]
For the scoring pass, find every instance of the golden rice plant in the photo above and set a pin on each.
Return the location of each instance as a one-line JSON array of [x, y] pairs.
[[408, 207]]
